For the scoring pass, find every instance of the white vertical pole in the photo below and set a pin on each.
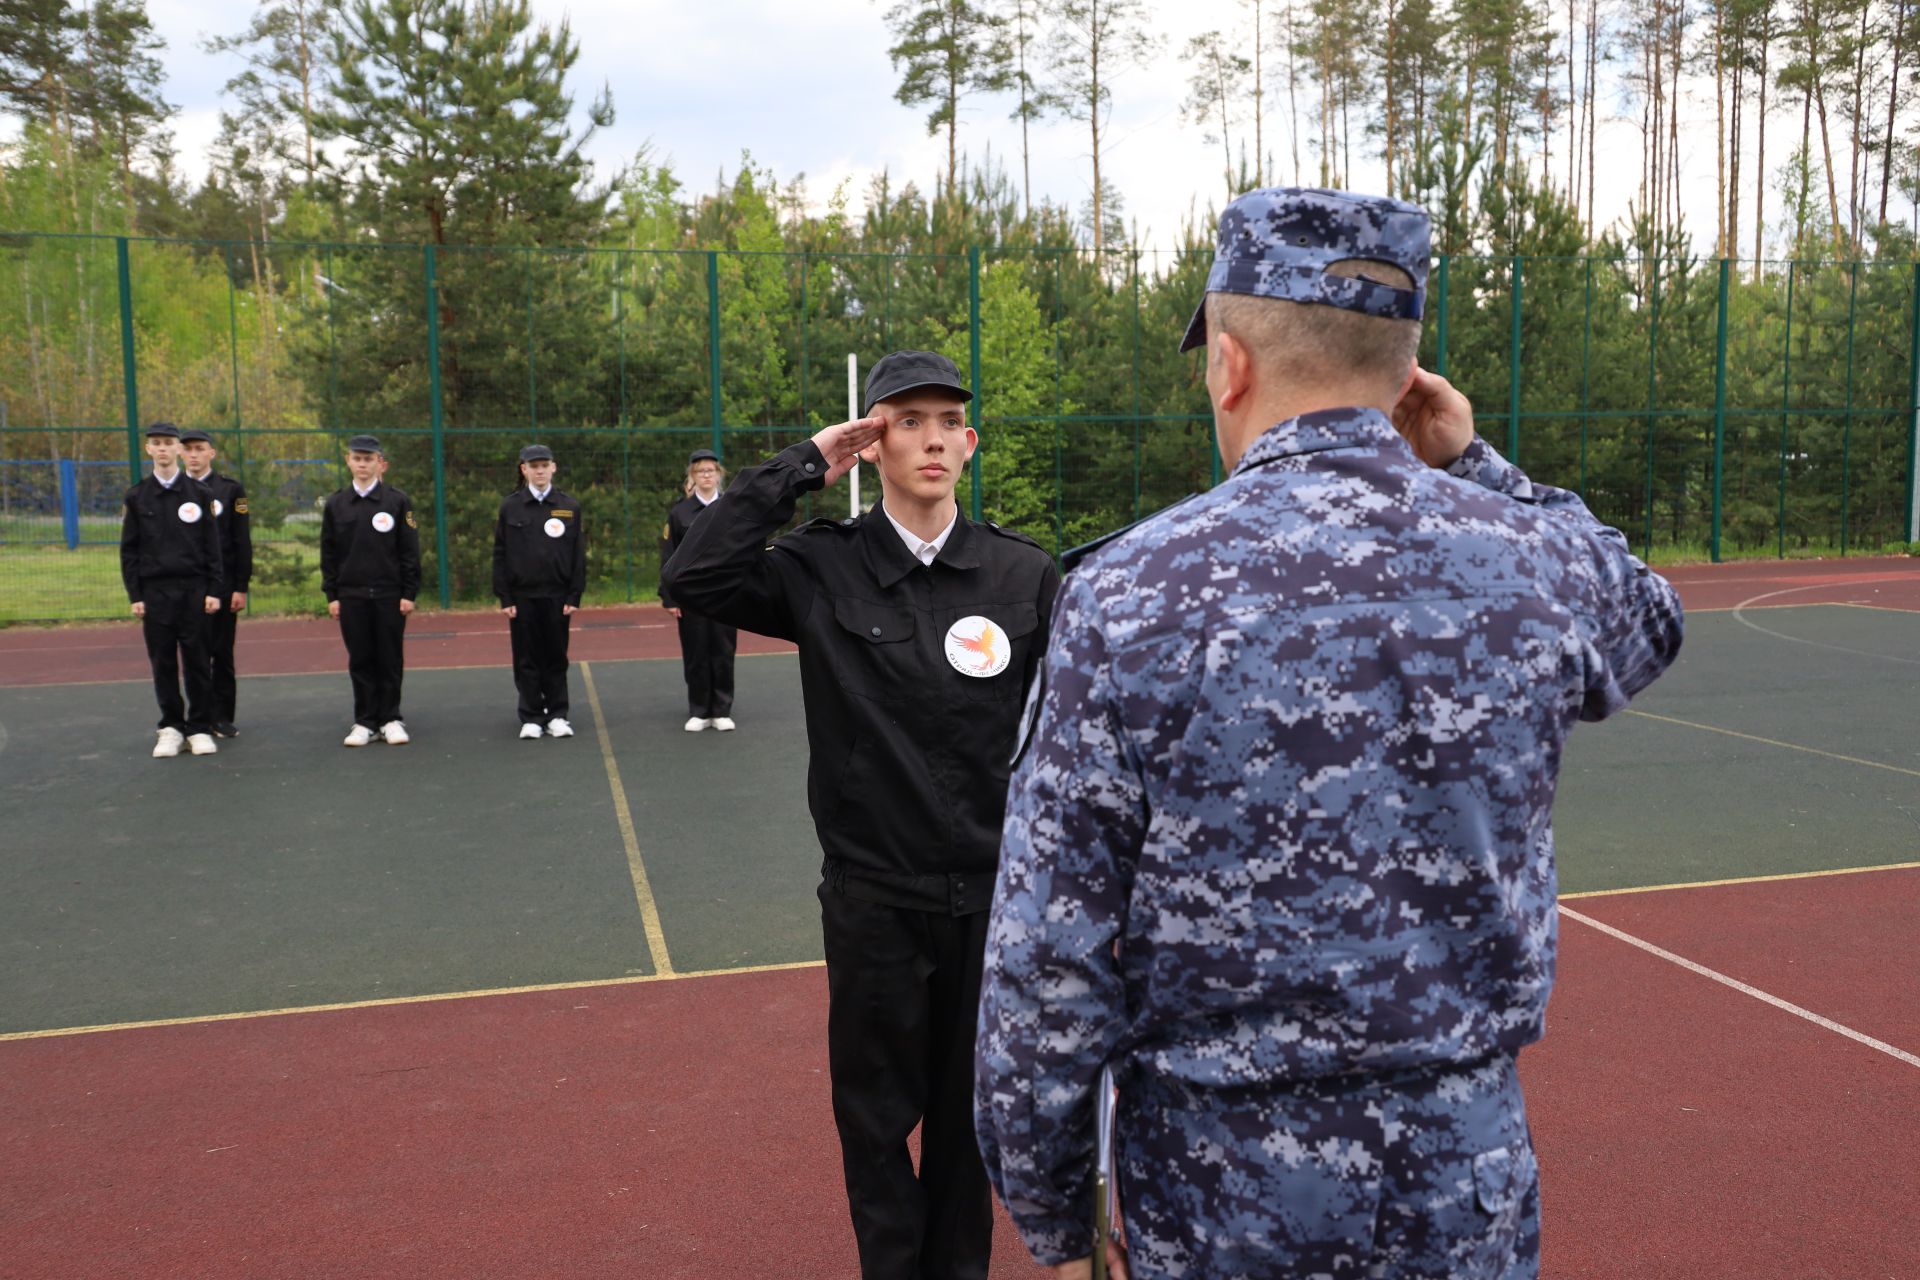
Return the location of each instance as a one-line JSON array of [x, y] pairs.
[[853, 411]]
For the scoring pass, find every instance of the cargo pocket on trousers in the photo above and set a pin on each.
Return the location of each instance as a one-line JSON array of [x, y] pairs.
[[1504, 1181]]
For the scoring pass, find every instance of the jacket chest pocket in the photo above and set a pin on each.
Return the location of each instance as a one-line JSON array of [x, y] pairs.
[[873, 650], [986, 648]]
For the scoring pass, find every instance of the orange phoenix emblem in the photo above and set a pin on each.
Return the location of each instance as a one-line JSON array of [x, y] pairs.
[[982, 646], [976, 647]]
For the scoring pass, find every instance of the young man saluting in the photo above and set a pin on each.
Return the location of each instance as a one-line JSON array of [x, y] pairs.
[[918, 632]]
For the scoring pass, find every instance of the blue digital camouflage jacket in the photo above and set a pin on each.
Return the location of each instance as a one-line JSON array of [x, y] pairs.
[[1281, 803]]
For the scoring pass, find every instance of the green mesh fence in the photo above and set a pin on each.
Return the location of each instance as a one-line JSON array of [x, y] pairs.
[[1711, 410]]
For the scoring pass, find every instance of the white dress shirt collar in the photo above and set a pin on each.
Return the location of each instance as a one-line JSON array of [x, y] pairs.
[[918, 548]]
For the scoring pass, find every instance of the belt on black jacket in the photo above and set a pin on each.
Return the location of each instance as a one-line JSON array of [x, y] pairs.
[[958, 893]]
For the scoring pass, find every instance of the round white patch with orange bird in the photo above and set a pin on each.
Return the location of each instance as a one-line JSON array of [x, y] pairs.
[[976, 647]]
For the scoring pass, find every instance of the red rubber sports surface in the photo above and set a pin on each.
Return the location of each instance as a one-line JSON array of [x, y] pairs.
[[304, 646], [683, 1128]]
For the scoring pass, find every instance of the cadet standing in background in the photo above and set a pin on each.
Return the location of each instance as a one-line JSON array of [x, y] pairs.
[[1278, 846], [170, 563], [706, 646], [539, 575], [370, 572], [918, 631], [236, 556]]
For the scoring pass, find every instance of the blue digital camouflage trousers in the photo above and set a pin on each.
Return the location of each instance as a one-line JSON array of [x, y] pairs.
[[1418, 1174]]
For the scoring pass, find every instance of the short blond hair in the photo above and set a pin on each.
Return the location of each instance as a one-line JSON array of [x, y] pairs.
[[1317, 345], [686, 490]]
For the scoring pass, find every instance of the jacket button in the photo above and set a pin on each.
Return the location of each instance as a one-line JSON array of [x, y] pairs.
[[876, 631], [809, 468]]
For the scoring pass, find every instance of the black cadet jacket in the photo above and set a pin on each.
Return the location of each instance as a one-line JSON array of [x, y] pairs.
[[680, 518], [168, 538], [539, 550], [369, 547], [907, 778], [236, 531]]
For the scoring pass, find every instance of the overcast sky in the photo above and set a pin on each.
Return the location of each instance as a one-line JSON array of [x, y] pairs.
[[808, 88]]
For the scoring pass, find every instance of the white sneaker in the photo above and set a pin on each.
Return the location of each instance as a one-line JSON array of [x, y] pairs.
[[723, 723], [201, 744], [359, 736], [559, 728], [529, 731], [168, 744], [694, 724], [394, 734]]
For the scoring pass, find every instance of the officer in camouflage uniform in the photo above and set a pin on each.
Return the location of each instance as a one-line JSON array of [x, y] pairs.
[[1277, 845]]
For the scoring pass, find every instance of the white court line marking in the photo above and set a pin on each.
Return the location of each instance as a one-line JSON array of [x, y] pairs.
[[1743, 988], [1740, 616], [1773, 742]]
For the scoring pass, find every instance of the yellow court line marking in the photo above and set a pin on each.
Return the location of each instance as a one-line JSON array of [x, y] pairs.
[[585, 984], [642, 888], [1693, 966], [1775, 742], [1714, 884]]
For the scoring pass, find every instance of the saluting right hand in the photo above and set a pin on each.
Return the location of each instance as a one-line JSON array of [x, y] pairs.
[[841, 445]]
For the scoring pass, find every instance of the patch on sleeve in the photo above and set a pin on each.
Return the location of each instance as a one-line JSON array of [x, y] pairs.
[[239, 506], [410, 521], [666, 532]]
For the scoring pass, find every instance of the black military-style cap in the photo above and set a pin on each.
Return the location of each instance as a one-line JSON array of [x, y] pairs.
[[365, 444], [163, 429], [1278, 243], [702, 455], [904, 371], [536, 453], [194, 433]]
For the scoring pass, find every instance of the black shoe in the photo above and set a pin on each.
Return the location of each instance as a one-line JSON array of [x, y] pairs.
[[225, 729]]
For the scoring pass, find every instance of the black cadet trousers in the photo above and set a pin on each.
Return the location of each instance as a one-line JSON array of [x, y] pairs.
[[539, 631], [175, 628], [375, 633], [904, 996], [706, 656], [221, 628]]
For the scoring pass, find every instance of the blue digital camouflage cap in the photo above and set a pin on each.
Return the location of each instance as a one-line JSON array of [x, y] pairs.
[[1278, 243]]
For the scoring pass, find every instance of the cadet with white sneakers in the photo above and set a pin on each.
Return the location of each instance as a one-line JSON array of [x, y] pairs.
[[539, 575], [706, 645], [370, 572], [170, 563]]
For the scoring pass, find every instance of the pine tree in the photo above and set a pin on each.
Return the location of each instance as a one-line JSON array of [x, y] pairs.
[[945, 51], [1093, 42], [1218, 78]]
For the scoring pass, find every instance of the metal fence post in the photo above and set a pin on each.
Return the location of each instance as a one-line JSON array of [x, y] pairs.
[[1786, 415], [1653, 396], [973, 368], [437, 419], [1513, 368], [1136, 384], [533, 384], [1586, 380], [1846, 429], [130, 379], [1440, 324], [1720, 412], [1913, 415], [713, 349]]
